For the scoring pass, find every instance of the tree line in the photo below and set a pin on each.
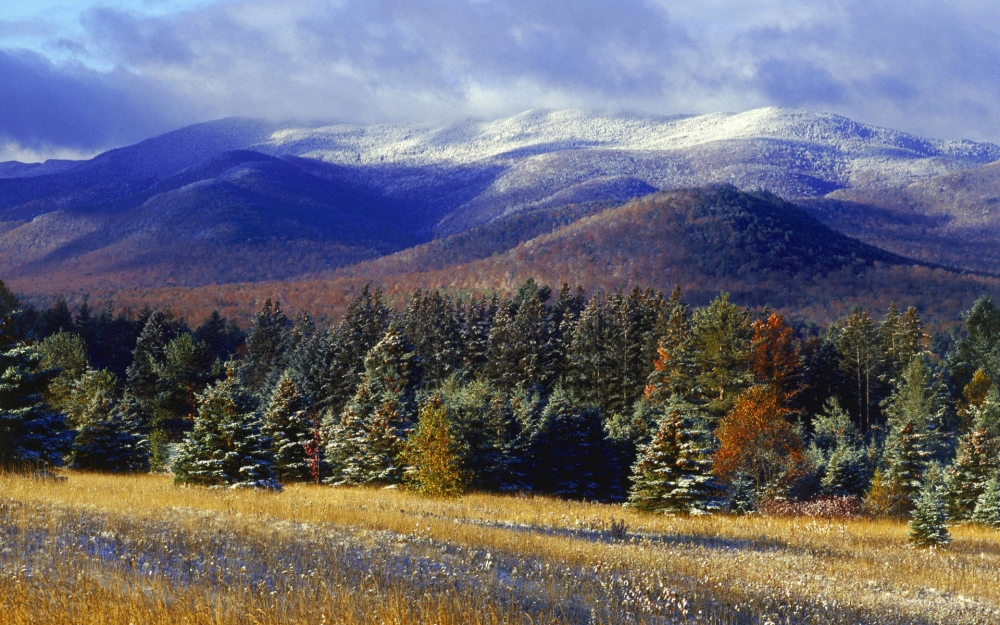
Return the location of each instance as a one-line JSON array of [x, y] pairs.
[[633, 396]]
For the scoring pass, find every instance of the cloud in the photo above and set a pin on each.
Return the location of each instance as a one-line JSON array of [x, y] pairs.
[[46, 107], [919, 66]]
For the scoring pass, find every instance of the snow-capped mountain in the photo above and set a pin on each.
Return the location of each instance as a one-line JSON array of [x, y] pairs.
[[340, 193]]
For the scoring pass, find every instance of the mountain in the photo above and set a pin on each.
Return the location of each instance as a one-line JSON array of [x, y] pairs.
[[761, 249], [239, 200]]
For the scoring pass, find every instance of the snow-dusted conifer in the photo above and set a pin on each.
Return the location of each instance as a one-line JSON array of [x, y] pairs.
[[290, 424], [363, 447], [30, 432], [226, 447], [987, 510], [112, 436], [673, 473], [570, 455], [929, 523], [977, 460], [907, 461]]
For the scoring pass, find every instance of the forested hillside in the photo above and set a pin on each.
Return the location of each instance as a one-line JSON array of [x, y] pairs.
[[759, 248]]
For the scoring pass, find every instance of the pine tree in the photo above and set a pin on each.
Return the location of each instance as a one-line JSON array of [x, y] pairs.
[[919, 398], [928, 526], [569, 453], [488, 432], [267, 345], [977, 460], [721, 335], [184, 372], [363, 446], [673, 473], [906, 462], [226, 447], [289, 422], [112, 436], [434, 455], [30, 432], [142, 379], [978, 349], [987, 510], [836, 452], [856, 338], [743, 494], [364, 324], [432, 325], [67, 353]]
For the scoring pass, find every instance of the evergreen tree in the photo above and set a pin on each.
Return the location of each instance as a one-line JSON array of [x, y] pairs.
[[30, 431], [489, 435], [290, 423], [906, 462], [974, 396], [979, 348], [267, 345], [184, 372], [928, 526], [221, 338], [674, 365], [479, 316], [364, 445], [977, 460], [520, 351], [149, 353], [987, 510], [112, 436], [857, 343], [65, 352], [364, 324], [743, 494], [673, 473], [986, 415], [433, 326], [837, 453], [588, 373], [920, 398], [434, 454], [902, 338], [226, 446], [722, 336], [569, 454]]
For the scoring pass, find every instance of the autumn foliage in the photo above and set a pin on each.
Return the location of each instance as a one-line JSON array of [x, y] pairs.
[[756, 438]]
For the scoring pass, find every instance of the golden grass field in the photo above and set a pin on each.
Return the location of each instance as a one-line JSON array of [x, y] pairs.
[[136, 549]]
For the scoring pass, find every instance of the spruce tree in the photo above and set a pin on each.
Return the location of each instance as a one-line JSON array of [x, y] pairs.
[[432, 325], [978, 349], [987, 510], [977, 460], [267, 346], [721, 338], [30, 431], [906, 462], [674, 364], [226, 447], [364, 444], [569, 453], [673, 473], [141, 375], [112, 436], [837, 453], [364, 324], [856, 338], [919, 398], [742, 494], [290, 423], [928, 527]]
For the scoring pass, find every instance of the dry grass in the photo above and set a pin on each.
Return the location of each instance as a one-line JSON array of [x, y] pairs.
[[102, 549]]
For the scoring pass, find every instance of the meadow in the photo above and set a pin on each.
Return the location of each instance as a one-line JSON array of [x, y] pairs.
[[91, 548]]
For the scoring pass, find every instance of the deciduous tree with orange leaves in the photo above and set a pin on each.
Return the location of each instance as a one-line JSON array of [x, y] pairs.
[[756, 438], [775, 358]]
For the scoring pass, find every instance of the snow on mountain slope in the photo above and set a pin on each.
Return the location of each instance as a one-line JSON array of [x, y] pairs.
[[540, 132]]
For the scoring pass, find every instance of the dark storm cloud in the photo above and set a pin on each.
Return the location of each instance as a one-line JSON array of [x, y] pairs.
[[926, 67], [45, 105]]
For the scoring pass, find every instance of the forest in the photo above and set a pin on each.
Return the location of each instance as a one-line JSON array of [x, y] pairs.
[[627, 396]]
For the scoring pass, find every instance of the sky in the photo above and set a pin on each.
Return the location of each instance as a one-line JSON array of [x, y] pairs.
[[80, 77]]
